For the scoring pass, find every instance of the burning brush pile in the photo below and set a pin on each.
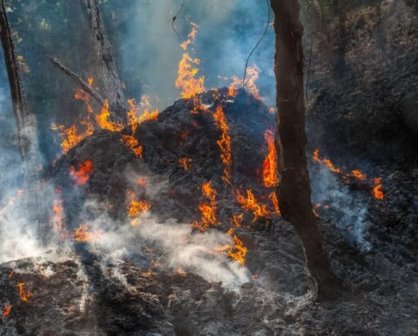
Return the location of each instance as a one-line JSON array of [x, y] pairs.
[[167, 223]]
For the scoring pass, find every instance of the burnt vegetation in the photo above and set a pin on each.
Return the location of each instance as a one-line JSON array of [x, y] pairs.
[[281, 202]]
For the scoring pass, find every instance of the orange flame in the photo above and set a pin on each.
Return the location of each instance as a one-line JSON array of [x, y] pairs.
[[133, 144], [191, 37], [207, 209], [23, 294], [275, 203], [72, 136], [253, 73], [185, 163], [238, 252], [377, 189], [236, 220], [136, 208], [83, 235], [224, 143], [249, 202], [103, 121], [7, 310], [82, 175], [148, 113], [270, 178]]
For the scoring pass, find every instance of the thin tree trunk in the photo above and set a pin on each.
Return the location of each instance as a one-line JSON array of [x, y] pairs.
[[294, 191], [19, 103], [112, 86]]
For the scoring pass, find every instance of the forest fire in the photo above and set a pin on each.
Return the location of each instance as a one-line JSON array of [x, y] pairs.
[[83, 235], [224, 143], [82, 175], [25, 295], [6, 311], [207, 208], [270, 178]]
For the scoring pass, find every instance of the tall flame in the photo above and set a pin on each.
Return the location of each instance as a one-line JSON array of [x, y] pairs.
[[224, 143], [270, 178]]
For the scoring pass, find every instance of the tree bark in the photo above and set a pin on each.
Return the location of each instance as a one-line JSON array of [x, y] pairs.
[[112, 86], [19, 102], [294, 191]]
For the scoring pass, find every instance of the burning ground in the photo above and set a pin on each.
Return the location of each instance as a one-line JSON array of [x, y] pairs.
[[164, 243]]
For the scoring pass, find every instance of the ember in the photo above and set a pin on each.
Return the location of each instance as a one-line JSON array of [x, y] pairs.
[[7, 310], [185, 163], [377, 189]]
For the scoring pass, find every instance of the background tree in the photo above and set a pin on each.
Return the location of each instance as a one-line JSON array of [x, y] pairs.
[[294, 191]]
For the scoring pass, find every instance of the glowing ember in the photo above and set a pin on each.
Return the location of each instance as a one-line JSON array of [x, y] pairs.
[[133, 144], [207, 209], [185, 163], [82, 175], [270, 179], [377, 189], [358, 175], [7, 310], [23, 294], [103, 121], [224, 143], [250, 203], [83, 235]]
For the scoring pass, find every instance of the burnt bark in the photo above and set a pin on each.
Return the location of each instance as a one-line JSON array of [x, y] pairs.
[[112, 85], [20, 106], [294, 191]]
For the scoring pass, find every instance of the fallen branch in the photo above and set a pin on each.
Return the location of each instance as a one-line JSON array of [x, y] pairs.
[[87, 88]]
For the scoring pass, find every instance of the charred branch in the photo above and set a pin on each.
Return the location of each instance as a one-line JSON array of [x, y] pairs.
[[76, 78], [112, 86]]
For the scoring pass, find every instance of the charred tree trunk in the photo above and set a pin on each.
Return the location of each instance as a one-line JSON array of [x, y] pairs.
[[20, 106], [294, 191], [112, 86]]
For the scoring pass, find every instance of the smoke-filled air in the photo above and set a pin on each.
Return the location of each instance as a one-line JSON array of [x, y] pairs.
[[208, 167]]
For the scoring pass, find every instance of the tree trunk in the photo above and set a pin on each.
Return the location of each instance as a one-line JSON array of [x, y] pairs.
[[112, 86], [19, 103], [294, 192]]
